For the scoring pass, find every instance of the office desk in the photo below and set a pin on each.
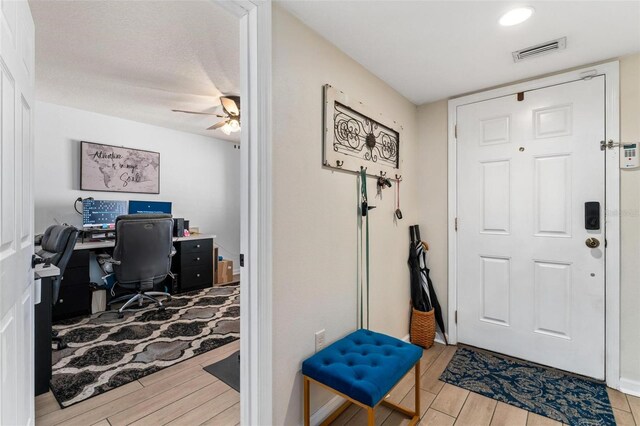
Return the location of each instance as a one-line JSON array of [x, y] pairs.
[[94, 245], [42, 327], [193, 265]]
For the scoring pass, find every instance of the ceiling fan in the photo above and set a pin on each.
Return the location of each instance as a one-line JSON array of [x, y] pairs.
[[231, 109]]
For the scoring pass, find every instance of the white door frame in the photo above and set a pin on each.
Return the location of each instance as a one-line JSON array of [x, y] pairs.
[[612, 200], [255, 215]]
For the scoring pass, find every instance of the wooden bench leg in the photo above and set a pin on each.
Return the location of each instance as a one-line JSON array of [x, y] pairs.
[[371, 416], [307, 408], [417, 389]]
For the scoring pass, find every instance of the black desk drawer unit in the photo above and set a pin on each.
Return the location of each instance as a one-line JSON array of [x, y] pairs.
[[75, 294], [193, 264]]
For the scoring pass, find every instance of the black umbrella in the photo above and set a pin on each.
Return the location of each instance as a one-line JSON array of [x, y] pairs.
[[426, 283], [419, 298]]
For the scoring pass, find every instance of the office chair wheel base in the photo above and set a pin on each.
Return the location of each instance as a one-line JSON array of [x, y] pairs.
[[62, 345], [161, 309]]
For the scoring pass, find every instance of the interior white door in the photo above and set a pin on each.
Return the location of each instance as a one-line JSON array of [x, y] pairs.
[[528, 285], [16, 213]]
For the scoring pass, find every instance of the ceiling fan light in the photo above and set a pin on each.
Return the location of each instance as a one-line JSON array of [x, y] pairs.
[[234, 125], [226, 129]]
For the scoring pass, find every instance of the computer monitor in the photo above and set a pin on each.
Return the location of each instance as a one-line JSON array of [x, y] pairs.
[[147, 207], [102, 214]]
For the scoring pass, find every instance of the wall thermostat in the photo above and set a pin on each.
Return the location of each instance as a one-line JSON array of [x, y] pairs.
[[629, 156]]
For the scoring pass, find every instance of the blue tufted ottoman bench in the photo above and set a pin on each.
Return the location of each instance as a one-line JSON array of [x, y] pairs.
[[362, 368]]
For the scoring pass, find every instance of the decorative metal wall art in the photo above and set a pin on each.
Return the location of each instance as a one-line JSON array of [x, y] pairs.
[[353, 139]]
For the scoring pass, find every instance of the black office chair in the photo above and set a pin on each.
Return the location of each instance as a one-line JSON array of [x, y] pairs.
[[141, 257], [57, 247]]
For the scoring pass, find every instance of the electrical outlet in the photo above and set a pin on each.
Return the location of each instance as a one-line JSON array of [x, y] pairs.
[[320, 340]]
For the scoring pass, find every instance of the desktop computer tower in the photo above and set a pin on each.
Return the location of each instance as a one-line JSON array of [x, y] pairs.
[[178, 227]]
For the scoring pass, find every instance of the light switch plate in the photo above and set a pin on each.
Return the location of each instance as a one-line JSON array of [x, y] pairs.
[[320, 340]]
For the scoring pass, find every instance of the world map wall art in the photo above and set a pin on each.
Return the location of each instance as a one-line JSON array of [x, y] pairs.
[[355, 136], [118, 169]]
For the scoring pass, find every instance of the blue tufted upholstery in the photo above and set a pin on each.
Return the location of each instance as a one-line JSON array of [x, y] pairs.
[[363, 365]]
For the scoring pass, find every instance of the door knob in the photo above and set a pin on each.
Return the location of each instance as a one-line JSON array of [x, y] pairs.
[[592, 242]]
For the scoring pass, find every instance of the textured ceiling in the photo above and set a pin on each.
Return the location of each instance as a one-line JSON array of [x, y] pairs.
[[138, 59], [430, 50]]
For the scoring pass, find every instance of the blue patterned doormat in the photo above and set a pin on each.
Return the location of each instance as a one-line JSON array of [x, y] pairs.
[[545, 391]]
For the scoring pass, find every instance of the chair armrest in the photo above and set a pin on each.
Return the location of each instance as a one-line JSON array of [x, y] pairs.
[[173, 251]]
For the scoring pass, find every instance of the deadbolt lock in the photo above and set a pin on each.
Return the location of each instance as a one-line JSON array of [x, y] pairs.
[[592, 243]]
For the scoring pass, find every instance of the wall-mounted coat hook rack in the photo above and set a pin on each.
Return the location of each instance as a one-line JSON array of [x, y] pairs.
[[383, 174], [339, 163], [399, 177]]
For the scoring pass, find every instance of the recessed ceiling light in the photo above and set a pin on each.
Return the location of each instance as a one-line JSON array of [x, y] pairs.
[[516, 16]]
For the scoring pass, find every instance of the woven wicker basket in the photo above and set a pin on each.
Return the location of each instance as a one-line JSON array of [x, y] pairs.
[[423, 328]]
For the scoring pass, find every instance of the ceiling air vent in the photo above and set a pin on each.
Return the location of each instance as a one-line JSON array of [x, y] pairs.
[[540, 49]]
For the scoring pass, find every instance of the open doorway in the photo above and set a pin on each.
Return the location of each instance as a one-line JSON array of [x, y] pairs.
[[105, 90]]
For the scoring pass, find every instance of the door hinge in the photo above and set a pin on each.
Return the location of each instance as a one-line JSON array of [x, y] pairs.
[[241, 260], [455, 131], [455, 224], [455, 317]]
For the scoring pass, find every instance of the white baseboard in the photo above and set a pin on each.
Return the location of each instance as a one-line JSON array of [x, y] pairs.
[[325, 411], [631, 387]]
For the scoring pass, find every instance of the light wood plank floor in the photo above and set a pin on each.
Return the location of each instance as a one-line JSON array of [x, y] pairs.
[[443, 404], [185, 394]]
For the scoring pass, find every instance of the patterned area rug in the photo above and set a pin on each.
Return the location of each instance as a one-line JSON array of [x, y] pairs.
[[545, 391], [106, 352]]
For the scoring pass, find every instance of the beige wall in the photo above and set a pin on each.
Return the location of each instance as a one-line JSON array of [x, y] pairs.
[[315, 212], [630, 226], [432, 193], [432, 130]]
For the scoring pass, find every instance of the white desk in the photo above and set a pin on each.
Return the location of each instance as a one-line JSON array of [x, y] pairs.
[[93, 245], [41, 271]]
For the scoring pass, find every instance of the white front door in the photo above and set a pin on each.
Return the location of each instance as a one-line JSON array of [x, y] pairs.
[[16, 213], [528, 285]]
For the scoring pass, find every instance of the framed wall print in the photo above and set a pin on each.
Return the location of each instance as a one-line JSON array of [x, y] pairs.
[[118, 169], [354, 137]]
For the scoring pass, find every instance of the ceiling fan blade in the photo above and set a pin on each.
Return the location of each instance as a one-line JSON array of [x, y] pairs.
[[217, 125], [199, 113], [230, 104]]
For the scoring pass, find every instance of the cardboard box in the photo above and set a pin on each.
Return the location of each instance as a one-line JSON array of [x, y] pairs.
[[225, 271]]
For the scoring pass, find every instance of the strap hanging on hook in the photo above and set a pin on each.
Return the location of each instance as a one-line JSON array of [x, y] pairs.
[[398, 212], [365, 207]]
